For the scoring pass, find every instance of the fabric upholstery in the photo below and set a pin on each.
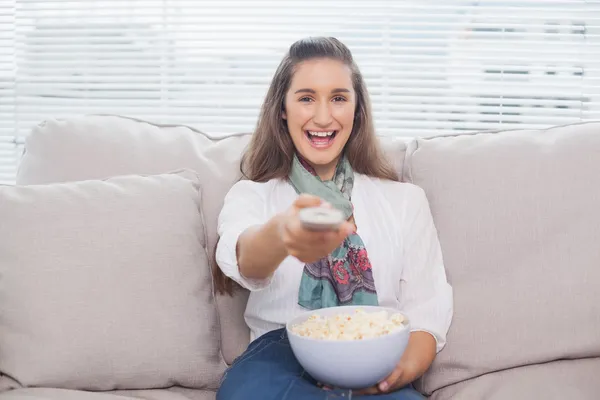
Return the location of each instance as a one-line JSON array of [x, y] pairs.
[[519, 224], [103, 287]]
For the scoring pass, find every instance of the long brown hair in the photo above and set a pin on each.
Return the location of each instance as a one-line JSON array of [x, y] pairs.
[[271, 150]]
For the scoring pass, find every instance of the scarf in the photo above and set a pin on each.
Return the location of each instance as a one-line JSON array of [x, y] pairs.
[[345, 276]]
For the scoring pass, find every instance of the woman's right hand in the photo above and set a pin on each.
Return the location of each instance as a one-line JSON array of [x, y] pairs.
[[306, 245]]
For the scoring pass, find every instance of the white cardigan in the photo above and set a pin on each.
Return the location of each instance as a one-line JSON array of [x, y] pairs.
[[395, 223]]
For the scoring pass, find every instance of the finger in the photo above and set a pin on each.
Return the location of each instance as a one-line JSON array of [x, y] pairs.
[[319, 239], [302, 242], [367, 391], [304, 236], [307, 200], [340, 234], [302, 247], [345, 229], [390, 382]]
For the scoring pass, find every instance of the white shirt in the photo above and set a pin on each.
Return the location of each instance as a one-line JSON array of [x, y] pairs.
[[394, 221]]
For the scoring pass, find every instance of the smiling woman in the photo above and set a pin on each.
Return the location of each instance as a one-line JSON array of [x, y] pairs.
[[314, 145], [319, 109], [317, 91]]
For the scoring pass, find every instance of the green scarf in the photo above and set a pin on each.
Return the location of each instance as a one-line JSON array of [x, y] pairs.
[[345, 277]]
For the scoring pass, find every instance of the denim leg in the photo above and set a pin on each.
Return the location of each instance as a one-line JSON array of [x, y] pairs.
[[268, 370]]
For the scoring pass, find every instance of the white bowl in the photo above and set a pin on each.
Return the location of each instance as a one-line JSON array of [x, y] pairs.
[[349, 364]]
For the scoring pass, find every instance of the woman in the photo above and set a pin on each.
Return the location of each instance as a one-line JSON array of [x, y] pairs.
[[314, 144]]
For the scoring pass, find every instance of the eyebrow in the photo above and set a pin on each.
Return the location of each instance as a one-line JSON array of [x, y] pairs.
[[338, 90]]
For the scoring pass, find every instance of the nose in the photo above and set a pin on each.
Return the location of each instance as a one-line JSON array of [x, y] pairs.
[[322, 116]]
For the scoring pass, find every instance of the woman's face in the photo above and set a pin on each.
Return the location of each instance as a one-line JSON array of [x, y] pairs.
[[319, 110]]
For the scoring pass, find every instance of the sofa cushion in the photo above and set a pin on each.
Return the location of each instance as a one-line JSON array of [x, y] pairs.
[[59, 394], [105, 285], [519, 223], [7, 383], [174, 393], [95, 147], [557, 380]]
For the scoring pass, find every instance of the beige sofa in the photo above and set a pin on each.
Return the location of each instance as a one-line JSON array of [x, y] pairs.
[[105, 290]]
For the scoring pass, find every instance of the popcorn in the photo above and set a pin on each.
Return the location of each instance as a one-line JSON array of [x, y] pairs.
[[355, 326]]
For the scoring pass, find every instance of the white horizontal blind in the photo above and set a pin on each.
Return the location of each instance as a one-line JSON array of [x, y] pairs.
[[431, 66], [8, 119]]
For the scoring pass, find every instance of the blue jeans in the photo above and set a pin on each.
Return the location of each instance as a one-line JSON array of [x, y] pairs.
[[268, 370]]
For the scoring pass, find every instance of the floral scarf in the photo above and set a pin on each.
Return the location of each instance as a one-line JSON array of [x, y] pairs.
[[345, 277]]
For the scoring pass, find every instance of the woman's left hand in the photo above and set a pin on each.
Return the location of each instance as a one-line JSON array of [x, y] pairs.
[[417, 358], [402, 375]]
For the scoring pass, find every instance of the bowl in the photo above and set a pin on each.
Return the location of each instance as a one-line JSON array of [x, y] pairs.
[[349, 364]]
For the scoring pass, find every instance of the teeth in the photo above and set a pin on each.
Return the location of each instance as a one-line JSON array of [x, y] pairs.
[[322, 134]]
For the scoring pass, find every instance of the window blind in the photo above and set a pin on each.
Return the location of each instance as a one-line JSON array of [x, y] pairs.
[[430, 66]]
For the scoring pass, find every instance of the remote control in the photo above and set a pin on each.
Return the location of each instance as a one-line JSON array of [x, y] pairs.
[[321, 218]]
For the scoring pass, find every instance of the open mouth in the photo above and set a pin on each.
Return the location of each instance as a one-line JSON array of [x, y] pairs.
[[320, 138]]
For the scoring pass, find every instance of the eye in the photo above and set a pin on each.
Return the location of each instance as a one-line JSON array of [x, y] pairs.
[[339, 98], [305, 99]]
